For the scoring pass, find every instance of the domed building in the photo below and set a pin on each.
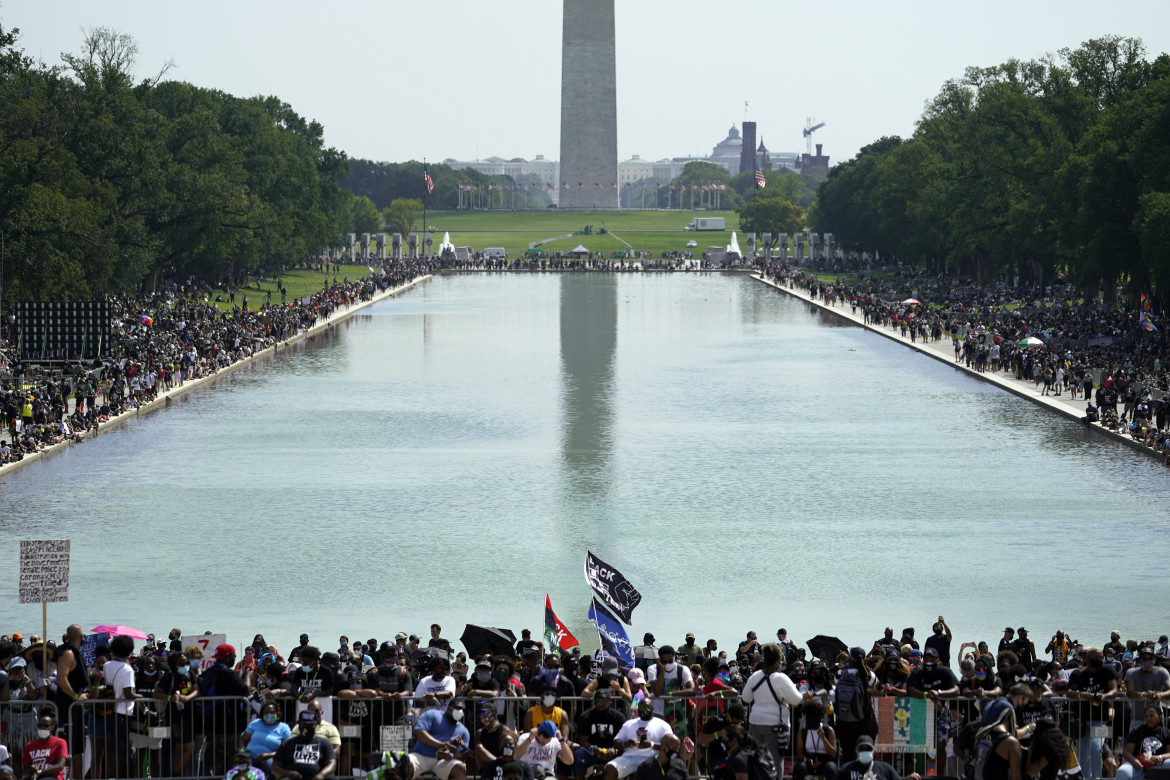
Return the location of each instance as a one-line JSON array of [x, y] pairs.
[[728, 151]]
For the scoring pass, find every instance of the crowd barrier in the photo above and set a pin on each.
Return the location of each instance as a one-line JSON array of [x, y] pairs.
[[150, 738]]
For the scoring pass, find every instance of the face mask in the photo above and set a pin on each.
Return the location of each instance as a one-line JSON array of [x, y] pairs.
[[270, 719], [502, 675], [731, 668], [865, 756], [43, 733], [549, 700], [308, 731], [1147, 666], [182, 669], [670, 666], [507, 751], [150, 673], [456, 715], [483, 676], [930, 666], [308, 668]]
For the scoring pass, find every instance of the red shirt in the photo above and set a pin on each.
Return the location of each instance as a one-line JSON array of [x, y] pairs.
[[43, 753]]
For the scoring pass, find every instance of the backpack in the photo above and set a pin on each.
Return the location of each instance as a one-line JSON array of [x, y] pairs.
[[849, 701], [756, 768]]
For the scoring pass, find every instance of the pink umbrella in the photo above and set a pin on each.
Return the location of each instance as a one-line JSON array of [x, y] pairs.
[[114, 631]]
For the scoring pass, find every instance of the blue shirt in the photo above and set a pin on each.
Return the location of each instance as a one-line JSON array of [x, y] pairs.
[[265, 738], [438, 725]]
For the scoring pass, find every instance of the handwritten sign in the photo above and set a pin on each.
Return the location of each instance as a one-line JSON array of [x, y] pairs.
[[206, 641], [44, 570]]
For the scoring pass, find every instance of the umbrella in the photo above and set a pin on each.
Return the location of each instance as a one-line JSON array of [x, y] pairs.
[[1031, 341], [478, 640], [911, 302], [114, 631], [826, 646]]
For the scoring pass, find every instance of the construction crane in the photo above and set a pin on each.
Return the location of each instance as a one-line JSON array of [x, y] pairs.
[[809, 129]]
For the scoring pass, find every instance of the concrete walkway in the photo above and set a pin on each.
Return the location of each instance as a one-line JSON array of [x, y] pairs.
[[163, 399], [943, 350]]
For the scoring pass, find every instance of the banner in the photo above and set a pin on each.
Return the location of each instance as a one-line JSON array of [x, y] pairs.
[[905, 725], [555, 633], [44, 570], [90, 643], [615, 591], [614, 639]]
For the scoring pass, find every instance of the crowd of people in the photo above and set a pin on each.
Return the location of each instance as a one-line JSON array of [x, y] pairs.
[[158, 342], [759, 711], [1111, 357]]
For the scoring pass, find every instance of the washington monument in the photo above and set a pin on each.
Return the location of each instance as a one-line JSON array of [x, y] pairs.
[[588, 106]]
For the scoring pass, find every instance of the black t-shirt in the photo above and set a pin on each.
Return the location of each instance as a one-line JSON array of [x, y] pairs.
[[940, 679], [652, 769], [855, 770], [78, 676], [889, 641], [943, 645], [320, 681], [739, 762], [490, 739], [306, 756], [1023, 649], [1088, 680], [1148, 740], [716, 755], [494, 770], [600, 727]]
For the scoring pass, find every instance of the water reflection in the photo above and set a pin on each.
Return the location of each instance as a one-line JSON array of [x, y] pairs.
[[588, 343]]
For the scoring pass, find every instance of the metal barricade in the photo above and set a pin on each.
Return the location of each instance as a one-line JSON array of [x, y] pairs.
[[152, 738], [18, 723]]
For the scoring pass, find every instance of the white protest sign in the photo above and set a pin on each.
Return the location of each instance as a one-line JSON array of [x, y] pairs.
[[44, 570], [208, 642]]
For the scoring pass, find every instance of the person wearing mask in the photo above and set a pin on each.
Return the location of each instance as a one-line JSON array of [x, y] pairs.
[[935, 682], [1146, 682], [1024, 648], [47, 755], [1092, 686], [264, 736], [441, 742], [887, 641], [435, 691], [224, 718], [243, 768], [689, 652], [737, 745], [667, 679], [1007, 640], [713, 734], [305, 755], [767, 691], [892, 675], [175, 687], [295, 655], [610, 679], [637, 740], [488, 741], [547, 710], [665, 763], [940, 640], [866, 767], [596, 729], [852, 704]]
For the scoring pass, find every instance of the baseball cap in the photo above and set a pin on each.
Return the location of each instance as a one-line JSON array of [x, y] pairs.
[[602, 693], [865, 742], [548, 728], [307, 716], [636, 676], [483, 663], [400, 635], [1009, 628], [690, 635], [223, 651], [17, 663], [18, 636], [387, 647], [930, 652]]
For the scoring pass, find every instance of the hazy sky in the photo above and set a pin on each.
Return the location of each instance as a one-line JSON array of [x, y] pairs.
[[397, 80]]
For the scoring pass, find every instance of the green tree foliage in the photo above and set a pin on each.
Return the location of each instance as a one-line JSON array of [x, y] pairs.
[[401, 215], [364, 216], [771, 215], [792, 187], [109, 186], [1024, 170]]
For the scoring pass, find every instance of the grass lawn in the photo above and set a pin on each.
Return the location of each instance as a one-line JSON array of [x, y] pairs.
[[646, 231], [299, 283]]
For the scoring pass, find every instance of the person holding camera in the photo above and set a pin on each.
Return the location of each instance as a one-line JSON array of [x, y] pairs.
[[816, 744]]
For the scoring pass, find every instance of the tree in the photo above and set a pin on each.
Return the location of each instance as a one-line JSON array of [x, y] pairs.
[[364, 216], [771, 215], [400, 215]]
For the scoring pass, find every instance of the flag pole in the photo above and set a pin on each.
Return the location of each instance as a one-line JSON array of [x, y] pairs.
[[424, 225]]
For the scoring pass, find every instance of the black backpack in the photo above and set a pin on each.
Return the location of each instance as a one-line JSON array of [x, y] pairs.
[[850, 700]]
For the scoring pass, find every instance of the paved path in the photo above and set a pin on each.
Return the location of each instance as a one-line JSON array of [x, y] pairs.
[[163, 399], [944, 351]]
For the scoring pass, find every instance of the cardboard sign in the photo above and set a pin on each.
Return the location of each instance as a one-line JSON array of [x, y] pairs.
[[206, 641], [44, 570]]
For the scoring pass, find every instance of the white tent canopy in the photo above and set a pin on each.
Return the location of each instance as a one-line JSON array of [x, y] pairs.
[[580, 248]]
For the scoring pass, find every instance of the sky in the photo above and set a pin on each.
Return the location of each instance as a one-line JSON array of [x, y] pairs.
[[469, 79]]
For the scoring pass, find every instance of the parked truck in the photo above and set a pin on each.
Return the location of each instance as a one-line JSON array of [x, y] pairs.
[[707, 223]]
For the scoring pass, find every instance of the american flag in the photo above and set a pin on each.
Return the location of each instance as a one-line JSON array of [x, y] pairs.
[[428, 180], [761, 182]]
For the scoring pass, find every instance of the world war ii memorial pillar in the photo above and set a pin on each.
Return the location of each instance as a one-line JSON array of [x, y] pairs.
[[588, 106]]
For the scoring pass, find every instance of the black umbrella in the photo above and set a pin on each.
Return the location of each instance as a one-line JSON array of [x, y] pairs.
[[826, 646], [478, 640]]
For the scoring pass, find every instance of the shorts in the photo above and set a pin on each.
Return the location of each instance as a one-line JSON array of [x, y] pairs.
[[626, 765], [441, 768]]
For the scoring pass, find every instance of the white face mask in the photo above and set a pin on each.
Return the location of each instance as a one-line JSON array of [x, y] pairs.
[[670, 666], [456, 715], [865, 756], [549, 700], [43, 733]]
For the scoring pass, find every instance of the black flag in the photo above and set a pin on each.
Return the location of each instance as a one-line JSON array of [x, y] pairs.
[[614, 590]]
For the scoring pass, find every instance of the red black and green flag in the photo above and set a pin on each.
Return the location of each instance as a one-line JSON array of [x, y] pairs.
[[555, 633]]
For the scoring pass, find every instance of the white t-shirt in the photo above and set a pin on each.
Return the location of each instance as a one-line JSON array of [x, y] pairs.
[[120, 676], [766, 710], [656, 731], [672, 682], [429, 685], [542, 757]]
